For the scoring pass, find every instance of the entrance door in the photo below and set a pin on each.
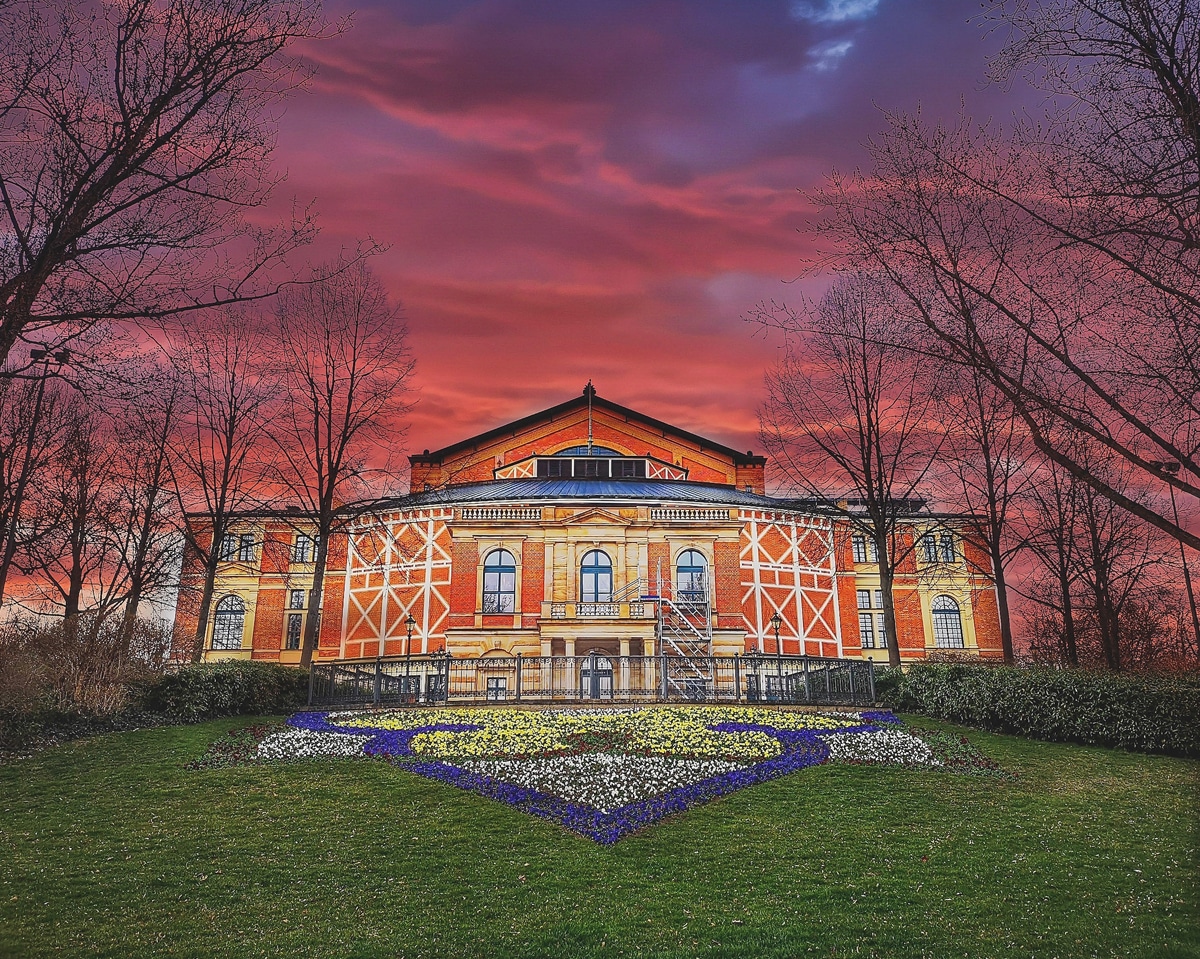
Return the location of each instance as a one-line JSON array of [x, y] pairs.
[[596, 678]]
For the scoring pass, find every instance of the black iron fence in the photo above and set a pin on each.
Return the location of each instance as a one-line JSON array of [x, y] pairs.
[[441, 680]]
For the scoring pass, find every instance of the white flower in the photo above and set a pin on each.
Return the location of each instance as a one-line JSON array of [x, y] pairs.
[[605, 781], [306, 744], [884, 746]]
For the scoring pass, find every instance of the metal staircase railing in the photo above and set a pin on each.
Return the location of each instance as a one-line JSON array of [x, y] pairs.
[[684, 634]]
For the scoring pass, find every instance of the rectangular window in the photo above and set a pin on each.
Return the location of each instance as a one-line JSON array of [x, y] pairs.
[[883, 637], [629, 469], [866, 632], [595, 468], [295, 630], [864, 599], [497, 687], [948, 551], [296, 599], [229, 546], [554, 468], [929, 548], [246, 548], [864, 549], [302, 549], [878, 599]]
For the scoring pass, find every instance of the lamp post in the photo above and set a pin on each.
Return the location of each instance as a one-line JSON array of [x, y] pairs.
[[409, 623], [776, 622], [1172, 467]]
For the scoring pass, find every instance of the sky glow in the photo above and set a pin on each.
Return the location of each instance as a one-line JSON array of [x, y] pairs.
[[577, 191]]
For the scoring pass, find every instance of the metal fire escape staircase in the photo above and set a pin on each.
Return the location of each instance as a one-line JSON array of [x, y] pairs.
[[684, 637]]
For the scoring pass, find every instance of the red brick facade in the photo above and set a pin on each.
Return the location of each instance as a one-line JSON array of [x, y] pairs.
[[767, 565]]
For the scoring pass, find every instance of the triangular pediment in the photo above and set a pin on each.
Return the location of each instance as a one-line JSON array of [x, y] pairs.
[[596, 516]]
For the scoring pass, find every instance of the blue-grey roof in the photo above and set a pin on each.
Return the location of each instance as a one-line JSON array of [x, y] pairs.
[[526, 490]]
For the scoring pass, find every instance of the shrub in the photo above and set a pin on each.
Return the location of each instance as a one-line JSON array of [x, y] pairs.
[[209, 690], [1143, 712]]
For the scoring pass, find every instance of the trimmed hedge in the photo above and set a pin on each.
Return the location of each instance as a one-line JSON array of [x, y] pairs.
[[210, 690], [1141, 712]]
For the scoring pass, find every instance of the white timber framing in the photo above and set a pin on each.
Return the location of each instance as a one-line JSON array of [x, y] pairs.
[[788, 567], [397, 565]]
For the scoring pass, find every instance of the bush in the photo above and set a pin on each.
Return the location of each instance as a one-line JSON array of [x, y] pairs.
[[1143, 712], [210, 690]]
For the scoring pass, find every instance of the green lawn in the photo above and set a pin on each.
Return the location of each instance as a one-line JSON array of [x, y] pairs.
[[112, 848]]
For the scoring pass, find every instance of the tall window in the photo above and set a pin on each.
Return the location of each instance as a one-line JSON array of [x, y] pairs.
[[864, 549], [929, 551], [500, 582], [229, 620], [246, 548], [871, 624], [229, 547], [303, 549], [295, 629], [691, 577], [947, 623], [296, 599], [949, 553], [595, 578]]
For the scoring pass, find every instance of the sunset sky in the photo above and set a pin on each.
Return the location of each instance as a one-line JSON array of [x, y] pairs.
[[585, 190]]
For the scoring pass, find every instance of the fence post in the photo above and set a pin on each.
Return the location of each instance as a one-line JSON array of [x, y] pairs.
[[853, 698], [871, 678], [312, 672], [807, 690], [518, 677], [378, 680], [662, 675], [737, 677]]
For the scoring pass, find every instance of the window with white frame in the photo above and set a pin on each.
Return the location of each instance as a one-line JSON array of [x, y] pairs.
[[246, 548], [691, 576], [596, 578], [229, 547], [948, 552], [947, 623], [296, 599], [864, 549], [303, 548], [229, 623], [872, 629], [500, 582], [295, 631], [929, 550]]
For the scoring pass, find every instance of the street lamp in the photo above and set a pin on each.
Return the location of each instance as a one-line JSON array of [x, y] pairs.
[[776, 622], [1171, 467], [408, 649]]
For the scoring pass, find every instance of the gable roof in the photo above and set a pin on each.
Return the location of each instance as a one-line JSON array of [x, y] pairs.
[[580, 402]]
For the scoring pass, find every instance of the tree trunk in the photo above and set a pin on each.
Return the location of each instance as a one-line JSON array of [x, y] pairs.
[[1006, 637], [312, 623], [886, 579]]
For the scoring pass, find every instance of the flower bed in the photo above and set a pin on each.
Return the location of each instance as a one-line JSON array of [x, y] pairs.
[[607, 772]]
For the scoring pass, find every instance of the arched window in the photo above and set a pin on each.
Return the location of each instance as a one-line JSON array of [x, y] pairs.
[[596, 578], [691, 576], [500, 582], [229, 621], [947, 623]]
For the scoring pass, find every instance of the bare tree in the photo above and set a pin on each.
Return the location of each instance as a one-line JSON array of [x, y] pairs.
[[346, 365], [133, 137], [31, 425], [145, 531], [1061, 259], [217, 460], [847, 406], [983, 462]]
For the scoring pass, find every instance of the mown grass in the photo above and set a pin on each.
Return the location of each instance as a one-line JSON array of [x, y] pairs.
[[112, 848]]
